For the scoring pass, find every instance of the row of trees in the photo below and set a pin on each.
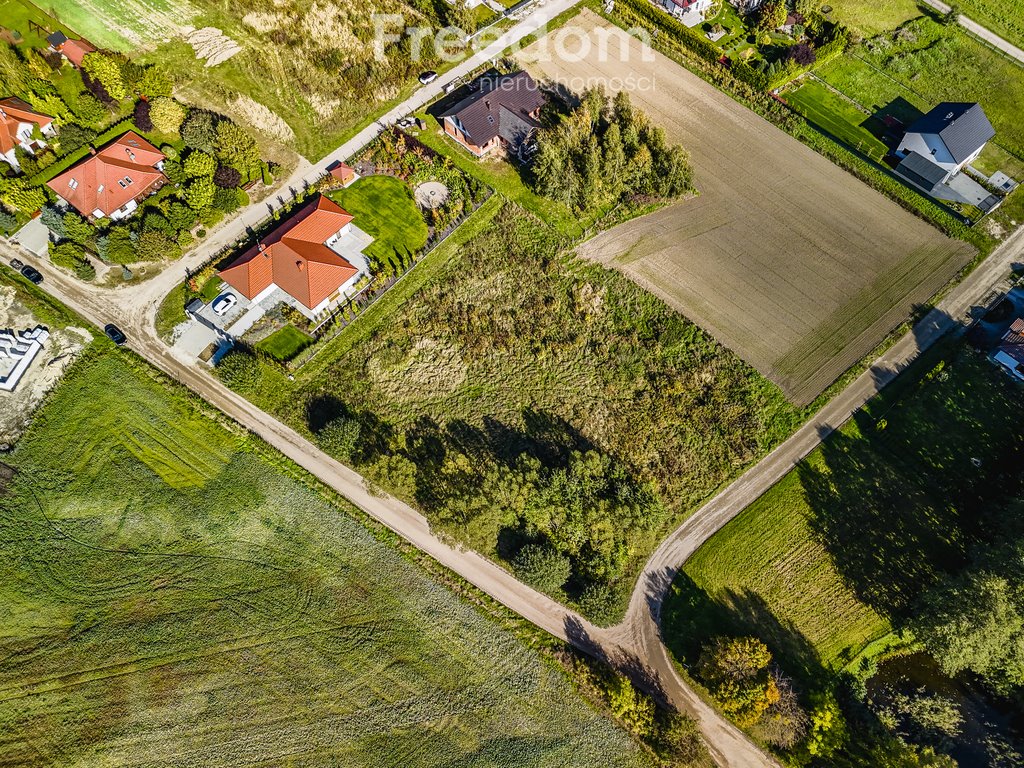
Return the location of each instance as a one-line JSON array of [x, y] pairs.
[[607, 152]]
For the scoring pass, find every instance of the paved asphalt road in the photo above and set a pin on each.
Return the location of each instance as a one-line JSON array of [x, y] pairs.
[[636, 642]]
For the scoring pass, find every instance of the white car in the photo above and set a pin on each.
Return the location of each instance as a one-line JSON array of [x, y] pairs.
[[223, 303]]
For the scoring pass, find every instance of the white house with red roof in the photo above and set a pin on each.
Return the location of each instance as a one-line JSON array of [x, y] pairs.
[[312, 260], [689, 12], [18, 128], [111, 182]]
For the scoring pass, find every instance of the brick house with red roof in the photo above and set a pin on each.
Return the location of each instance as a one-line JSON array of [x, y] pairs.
[[1010, 351], [111, 182], [313, 258], [18, 124], [501, 111]]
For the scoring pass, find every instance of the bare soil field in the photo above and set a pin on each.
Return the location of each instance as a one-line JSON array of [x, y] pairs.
[[794, 264]]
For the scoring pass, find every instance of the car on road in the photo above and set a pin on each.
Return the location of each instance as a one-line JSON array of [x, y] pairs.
[[405, 122], [115, 334], [223, 303], [32, 274], [428, 77], [17, 264]]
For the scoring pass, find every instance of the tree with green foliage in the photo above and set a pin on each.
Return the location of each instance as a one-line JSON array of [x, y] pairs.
[[52, 218], [18, 195], [599, 155], [87, 109], [71, 256], [226, 200], [166, 114], [154, 83], [541, 566], [181, 216], [106, 70], [199, 164], [117, 245], [771, 15], [340, 437], [8, 222], [236, 147], [153, 245], [199, 194], [975, 622], [676, 739], [199, 131], [630, 707], [737, 675], [73, 136], [77, 229]]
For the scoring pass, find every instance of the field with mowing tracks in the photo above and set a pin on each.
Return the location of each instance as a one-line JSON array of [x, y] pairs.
[[786, 259], [384, 207], [837, 116], [869, 17], [172, 597]]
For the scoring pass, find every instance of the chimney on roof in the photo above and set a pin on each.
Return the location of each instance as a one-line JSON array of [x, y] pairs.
[[299, 265], [487, 103], [92, 150]]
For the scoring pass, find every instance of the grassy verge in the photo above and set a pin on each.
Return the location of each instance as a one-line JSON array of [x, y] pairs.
[[284, 343], [837, 116]]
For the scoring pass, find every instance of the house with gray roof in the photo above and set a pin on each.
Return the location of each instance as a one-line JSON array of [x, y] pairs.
[[501, 111], [939, 145]]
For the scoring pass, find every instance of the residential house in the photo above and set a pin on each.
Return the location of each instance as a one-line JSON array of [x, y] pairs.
[[501, 112], [938, 146], [111, 182], [1010, 351], [72, 50], [689, 12], [311, 260], [747, 6], [21, 127]]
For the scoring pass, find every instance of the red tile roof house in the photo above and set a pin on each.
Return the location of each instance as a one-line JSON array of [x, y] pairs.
[[17, 124], [311, 260], [502, 113], [72, 50], [110, 183]]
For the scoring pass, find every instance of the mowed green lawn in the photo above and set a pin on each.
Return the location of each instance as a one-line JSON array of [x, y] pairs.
[[284, 343], [837, 116], [934, 64], [174, 596], [384, 207], [822, 563]]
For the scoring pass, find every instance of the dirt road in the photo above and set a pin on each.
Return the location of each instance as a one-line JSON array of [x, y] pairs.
[[984, 33], [792, 263]]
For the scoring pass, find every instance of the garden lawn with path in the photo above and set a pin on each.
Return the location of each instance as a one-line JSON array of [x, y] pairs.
[[837, 116], [383, 206], [284, 343]]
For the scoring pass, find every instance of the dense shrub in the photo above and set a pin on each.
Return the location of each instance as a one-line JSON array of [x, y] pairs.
[[340, 437], [141, 117], [541, 566], [240, 369]]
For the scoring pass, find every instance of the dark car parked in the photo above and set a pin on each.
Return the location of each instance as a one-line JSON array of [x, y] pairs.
[[17, 264], [32, 274], [115, 334]]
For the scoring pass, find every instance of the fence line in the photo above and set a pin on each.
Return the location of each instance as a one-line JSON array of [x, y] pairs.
[[359, 307]]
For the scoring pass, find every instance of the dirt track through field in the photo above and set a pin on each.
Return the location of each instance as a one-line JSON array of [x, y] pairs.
[[785, 258]]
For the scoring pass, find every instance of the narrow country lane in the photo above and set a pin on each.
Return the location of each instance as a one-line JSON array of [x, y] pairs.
[[984, 33]]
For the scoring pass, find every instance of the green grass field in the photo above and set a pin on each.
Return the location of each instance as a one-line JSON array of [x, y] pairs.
[[284, 343], [174, 596], [1004, 17], [496, 351], [869, 17], [837, 116], [931, 63], [384, 207], [824, 561]]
